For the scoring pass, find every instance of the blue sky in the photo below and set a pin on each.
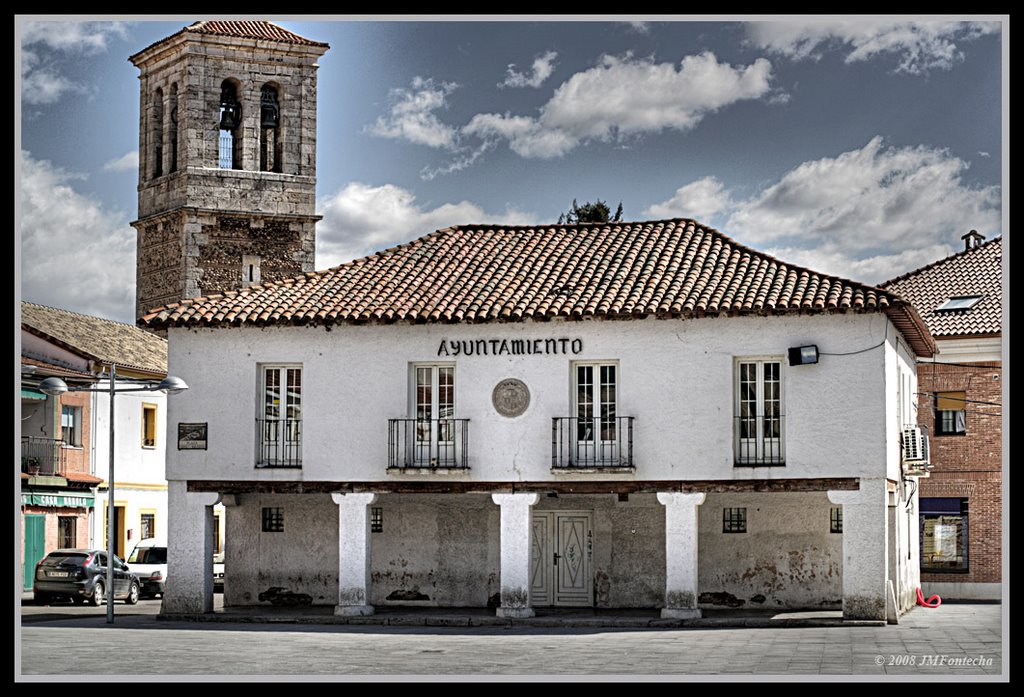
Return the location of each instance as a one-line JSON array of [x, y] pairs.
[[863, 147]]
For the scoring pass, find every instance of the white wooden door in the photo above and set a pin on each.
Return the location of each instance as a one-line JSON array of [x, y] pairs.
[[560, 559]]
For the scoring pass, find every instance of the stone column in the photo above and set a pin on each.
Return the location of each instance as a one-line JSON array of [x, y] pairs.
[[353, 554], [189, 550], [865, 549], [680, 554], [515, 553]]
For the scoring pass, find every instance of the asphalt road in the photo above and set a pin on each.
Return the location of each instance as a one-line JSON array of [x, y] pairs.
[[950, 643]]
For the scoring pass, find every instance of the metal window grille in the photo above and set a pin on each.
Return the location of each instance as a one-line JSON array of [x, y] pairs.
[[273, 520], [376, 519], [835, 518], [66, 532], [734, 520], [148, 526]]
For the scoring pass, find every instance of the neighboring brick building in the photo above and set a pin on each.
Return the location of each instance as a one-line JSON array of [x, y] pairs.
[[960, 298]]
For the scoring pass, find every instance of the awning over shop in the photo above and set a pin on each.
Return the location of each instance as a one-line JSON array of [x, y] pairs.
[[29, 393]]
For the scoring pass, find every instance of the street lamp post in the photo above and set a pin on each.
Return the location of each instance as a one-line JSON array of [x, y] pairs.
[[56, 387]]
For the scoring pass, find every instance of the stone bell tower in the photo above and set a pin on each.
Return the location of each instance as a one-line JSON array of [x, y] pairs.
[[227, 160]]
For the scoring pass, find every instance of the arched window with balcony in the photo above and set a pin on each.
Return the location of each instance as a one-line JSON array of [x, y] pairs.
[[230, 144], [270, 129]]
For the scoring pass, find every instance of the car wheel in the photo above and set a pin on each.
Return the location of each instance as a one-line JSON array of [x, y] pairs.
[[133, 594], [97, 594]]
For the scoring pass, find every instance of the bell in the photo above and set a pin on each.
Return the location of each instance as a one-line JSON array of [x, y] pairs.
[[270, 115], [230, 116]]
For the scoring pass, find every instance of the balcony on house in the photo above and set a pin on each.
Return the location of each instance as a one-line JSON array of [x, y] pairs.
[[759, 440], [43, 457], [602, 442], [279, 442], [428, 444]]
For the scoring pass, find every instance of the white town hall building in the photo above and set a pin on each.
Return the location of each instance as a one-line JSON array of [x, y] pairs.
[[620, 415]]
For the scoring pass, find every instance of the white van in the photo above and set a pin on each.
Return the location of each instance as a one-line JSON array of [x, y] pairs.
[[149, 562]]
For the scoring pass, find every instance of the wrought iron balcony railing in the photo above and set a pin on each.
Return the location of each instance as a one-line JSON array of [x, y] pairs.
[[759, 440], [428, 443], [594, 442], [42, 456], [279, 442]]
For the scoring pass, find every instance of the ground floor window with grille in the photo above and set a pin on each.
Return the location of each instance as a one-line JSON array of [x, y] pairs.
[[67, 537], [147, 526], [944, 535], [279, 423]]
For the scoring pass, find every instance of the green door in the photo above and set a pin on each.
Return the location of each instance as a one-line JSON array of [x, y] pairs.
[[35, 539]]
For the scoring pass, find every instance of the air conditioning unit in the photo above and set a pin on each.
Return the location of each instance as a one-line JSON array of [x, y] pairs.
[[916, 458]]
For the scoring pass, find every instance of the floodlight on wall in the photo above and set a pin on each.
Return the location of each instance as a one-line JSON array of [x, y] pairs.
[[803, 355], [53, 387]]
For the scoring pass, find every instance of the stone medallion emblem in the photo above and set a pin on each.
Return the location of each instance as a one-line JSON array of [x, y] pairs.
[[511, 397]]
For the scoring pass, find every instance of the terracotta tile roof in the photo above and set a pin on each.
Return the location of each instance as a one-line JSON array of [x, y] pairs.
[[260, 29], [483, 273], [82, 477], [975, 271], [99, 339]]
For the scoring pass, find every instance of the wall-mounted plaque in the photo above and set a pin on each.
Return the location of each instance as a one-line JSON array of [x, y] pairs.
[[191, 436], [511, 397]]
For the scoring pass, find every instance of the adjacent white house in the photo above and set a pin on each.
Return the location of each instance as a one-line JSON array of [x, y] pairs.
[[617, 415]]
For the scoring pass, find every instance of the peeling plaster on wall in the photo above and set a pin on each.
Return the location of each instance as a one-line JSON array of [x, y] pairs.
[[787, 558]]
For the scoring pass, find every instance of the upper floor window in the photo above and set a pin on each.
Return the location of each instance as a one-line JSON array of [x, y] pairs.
[[434, 410], [594, 435], [158, 133], [270, 122], [173, 145], [230, 148], [148, 425], [279, 423], [759, 428], [71, 425], [950, 413], [959, 302]]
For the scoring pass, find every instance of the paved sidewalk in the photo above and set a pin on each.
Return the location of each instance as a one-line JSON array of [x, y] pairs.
[[954, 642]]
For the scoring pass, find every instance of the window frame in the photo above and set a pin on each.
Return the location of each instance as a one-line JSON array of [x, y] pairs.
[[437, 442], [734, 520], [76, 427], [760, 458], [272, 519], [61, 532], [149, 407], [291, 444], [963, 536], [143, 513], [596, 398], [941, 426]]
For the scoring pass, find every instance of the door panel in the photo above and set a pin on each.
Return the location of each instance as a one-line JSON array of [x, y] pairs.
[[573, 577], [560, 559], [35, 546]]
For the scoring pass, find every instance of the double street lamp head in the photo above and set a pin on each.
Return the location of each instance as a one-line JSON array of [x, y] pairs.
[[169, 385]]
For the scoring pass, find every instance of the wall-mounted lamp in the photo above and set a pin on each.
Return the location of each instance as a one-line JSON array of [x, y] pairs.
[[803, 355]]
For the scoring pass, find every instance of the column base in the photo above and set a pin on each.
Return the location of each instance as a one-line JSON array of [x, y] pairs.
[[353, 610], [515, 613], [680, 613]]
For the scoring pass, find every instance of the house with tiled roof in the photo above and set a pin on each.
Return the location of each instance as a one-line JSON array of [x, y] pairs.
[[618, 415], [960, 298], [64, 439]]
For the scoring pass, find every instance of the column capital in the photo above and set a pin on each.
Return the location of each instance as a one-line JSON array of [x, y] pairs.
[[360, 499], [528, 499], [678, 498]]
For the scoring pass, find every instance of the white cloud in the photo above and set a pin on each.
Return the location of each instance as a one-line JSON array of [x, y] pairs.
[[919, 46], [85, 37], [129, 162], [70, 241], [360, 219], [41, 78], [701, 200], [640, 27], [411, 115], [543, 66], [982, 153], [622, 97], [868, 214]]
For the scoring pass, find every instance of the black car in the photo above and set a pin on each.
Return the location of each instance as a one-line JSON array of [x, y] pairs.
[[81, 575]]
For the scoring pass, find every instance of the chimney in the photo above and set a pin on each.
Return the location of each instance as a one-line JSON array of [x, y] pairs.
[[972, 239]]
